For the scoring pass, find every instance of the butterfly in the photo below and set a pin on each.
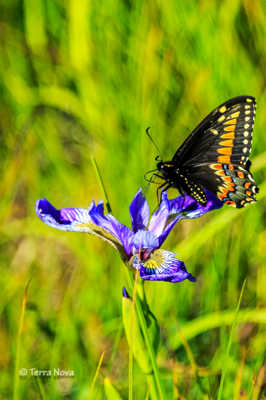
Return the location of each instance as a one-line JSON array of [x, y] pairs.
[[215, 156]]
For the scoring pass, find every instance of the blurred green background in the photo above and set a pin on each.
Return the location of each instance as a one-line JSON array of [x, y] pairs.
[[81, 79]]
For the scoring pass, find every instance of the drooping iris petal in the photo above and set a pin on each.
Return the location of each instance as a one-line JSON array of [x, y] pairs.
[[66, 219], [162, 265], [190, 208], [80, 220], [139, 212], [144, 240], [159, 217]]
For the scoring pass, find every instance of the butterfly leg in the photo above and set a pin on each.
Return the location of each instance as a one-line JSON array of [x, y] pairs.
[[163, 189]]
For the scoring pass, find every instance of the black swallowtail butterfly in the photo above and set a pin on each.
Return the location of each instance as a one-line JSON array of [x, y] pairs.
[[215, 156]]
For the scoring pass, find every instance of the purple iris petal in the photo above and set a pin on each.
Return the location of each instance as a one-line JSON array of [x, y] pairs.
[[190, 208], [160, 216], [66, 219], [144, 240], [125, 293], [139, 212], [168, 228], [162, 266], [110, 223]]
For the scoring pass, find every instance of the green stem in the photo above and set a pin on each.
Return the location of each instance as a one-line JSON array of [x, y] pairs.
[[152, 386], [147, 341]]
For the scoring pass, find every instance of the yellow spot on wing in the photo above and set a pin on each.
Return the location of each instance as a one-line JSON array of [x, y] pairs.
[[226, 143], [235, 115], [229, 135], [249, 100], [222, 117], [223, 159], [230, 122], [222, 109], [225, 150], [230, 128]]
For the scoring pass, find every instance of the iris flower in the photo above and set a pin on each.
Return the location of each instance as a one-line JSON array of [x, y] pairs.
[[139, 247]]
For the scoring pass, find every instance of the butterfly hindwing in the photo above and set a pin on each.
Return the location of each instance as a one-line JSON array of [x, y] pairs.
[[231, 183]]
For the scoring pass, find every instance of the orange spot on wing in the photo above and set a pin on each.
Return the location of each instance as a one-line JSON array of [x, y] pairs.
[[230, 202], [224, 159], [229, 135], [227, 179], [231, 167], [248, 192], [223, 190], [232, 121], [225, 150], [220, 173], [249, 199], [220, 196], [247, 185], [230, 128], [226, 143], [216, 166], [240, 174]]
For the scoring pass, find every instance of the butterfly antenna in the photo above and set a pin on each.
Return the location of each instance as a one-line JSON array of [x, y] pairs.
[[151, 139]]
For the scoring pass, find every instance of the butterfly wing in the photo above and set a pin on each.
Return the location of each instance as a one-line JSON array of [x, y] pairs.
[[231, 183], [224, 136]]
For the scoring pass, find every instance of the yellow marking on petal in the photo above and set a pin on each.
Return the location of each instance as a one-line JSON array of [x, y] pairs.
[[151, 264]]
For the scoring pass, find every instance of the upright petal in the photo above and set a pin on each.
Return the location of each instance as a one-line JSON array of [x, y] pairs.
[[159, 217], [162, 265], [144, 241], [139, 212]]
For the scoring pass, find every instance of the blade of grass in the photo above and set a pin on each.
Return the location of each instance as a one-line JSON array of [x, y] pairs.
[[18, 349], [95, 376], [225, 368], [215, 320]]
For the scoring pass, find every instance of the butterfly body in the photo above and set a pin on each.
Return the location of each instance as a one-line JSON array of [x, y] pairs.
[[215, 156]]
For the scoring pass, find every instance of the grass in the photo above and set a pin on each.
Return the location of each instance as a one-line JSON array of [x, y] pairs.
[[82, 81]]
